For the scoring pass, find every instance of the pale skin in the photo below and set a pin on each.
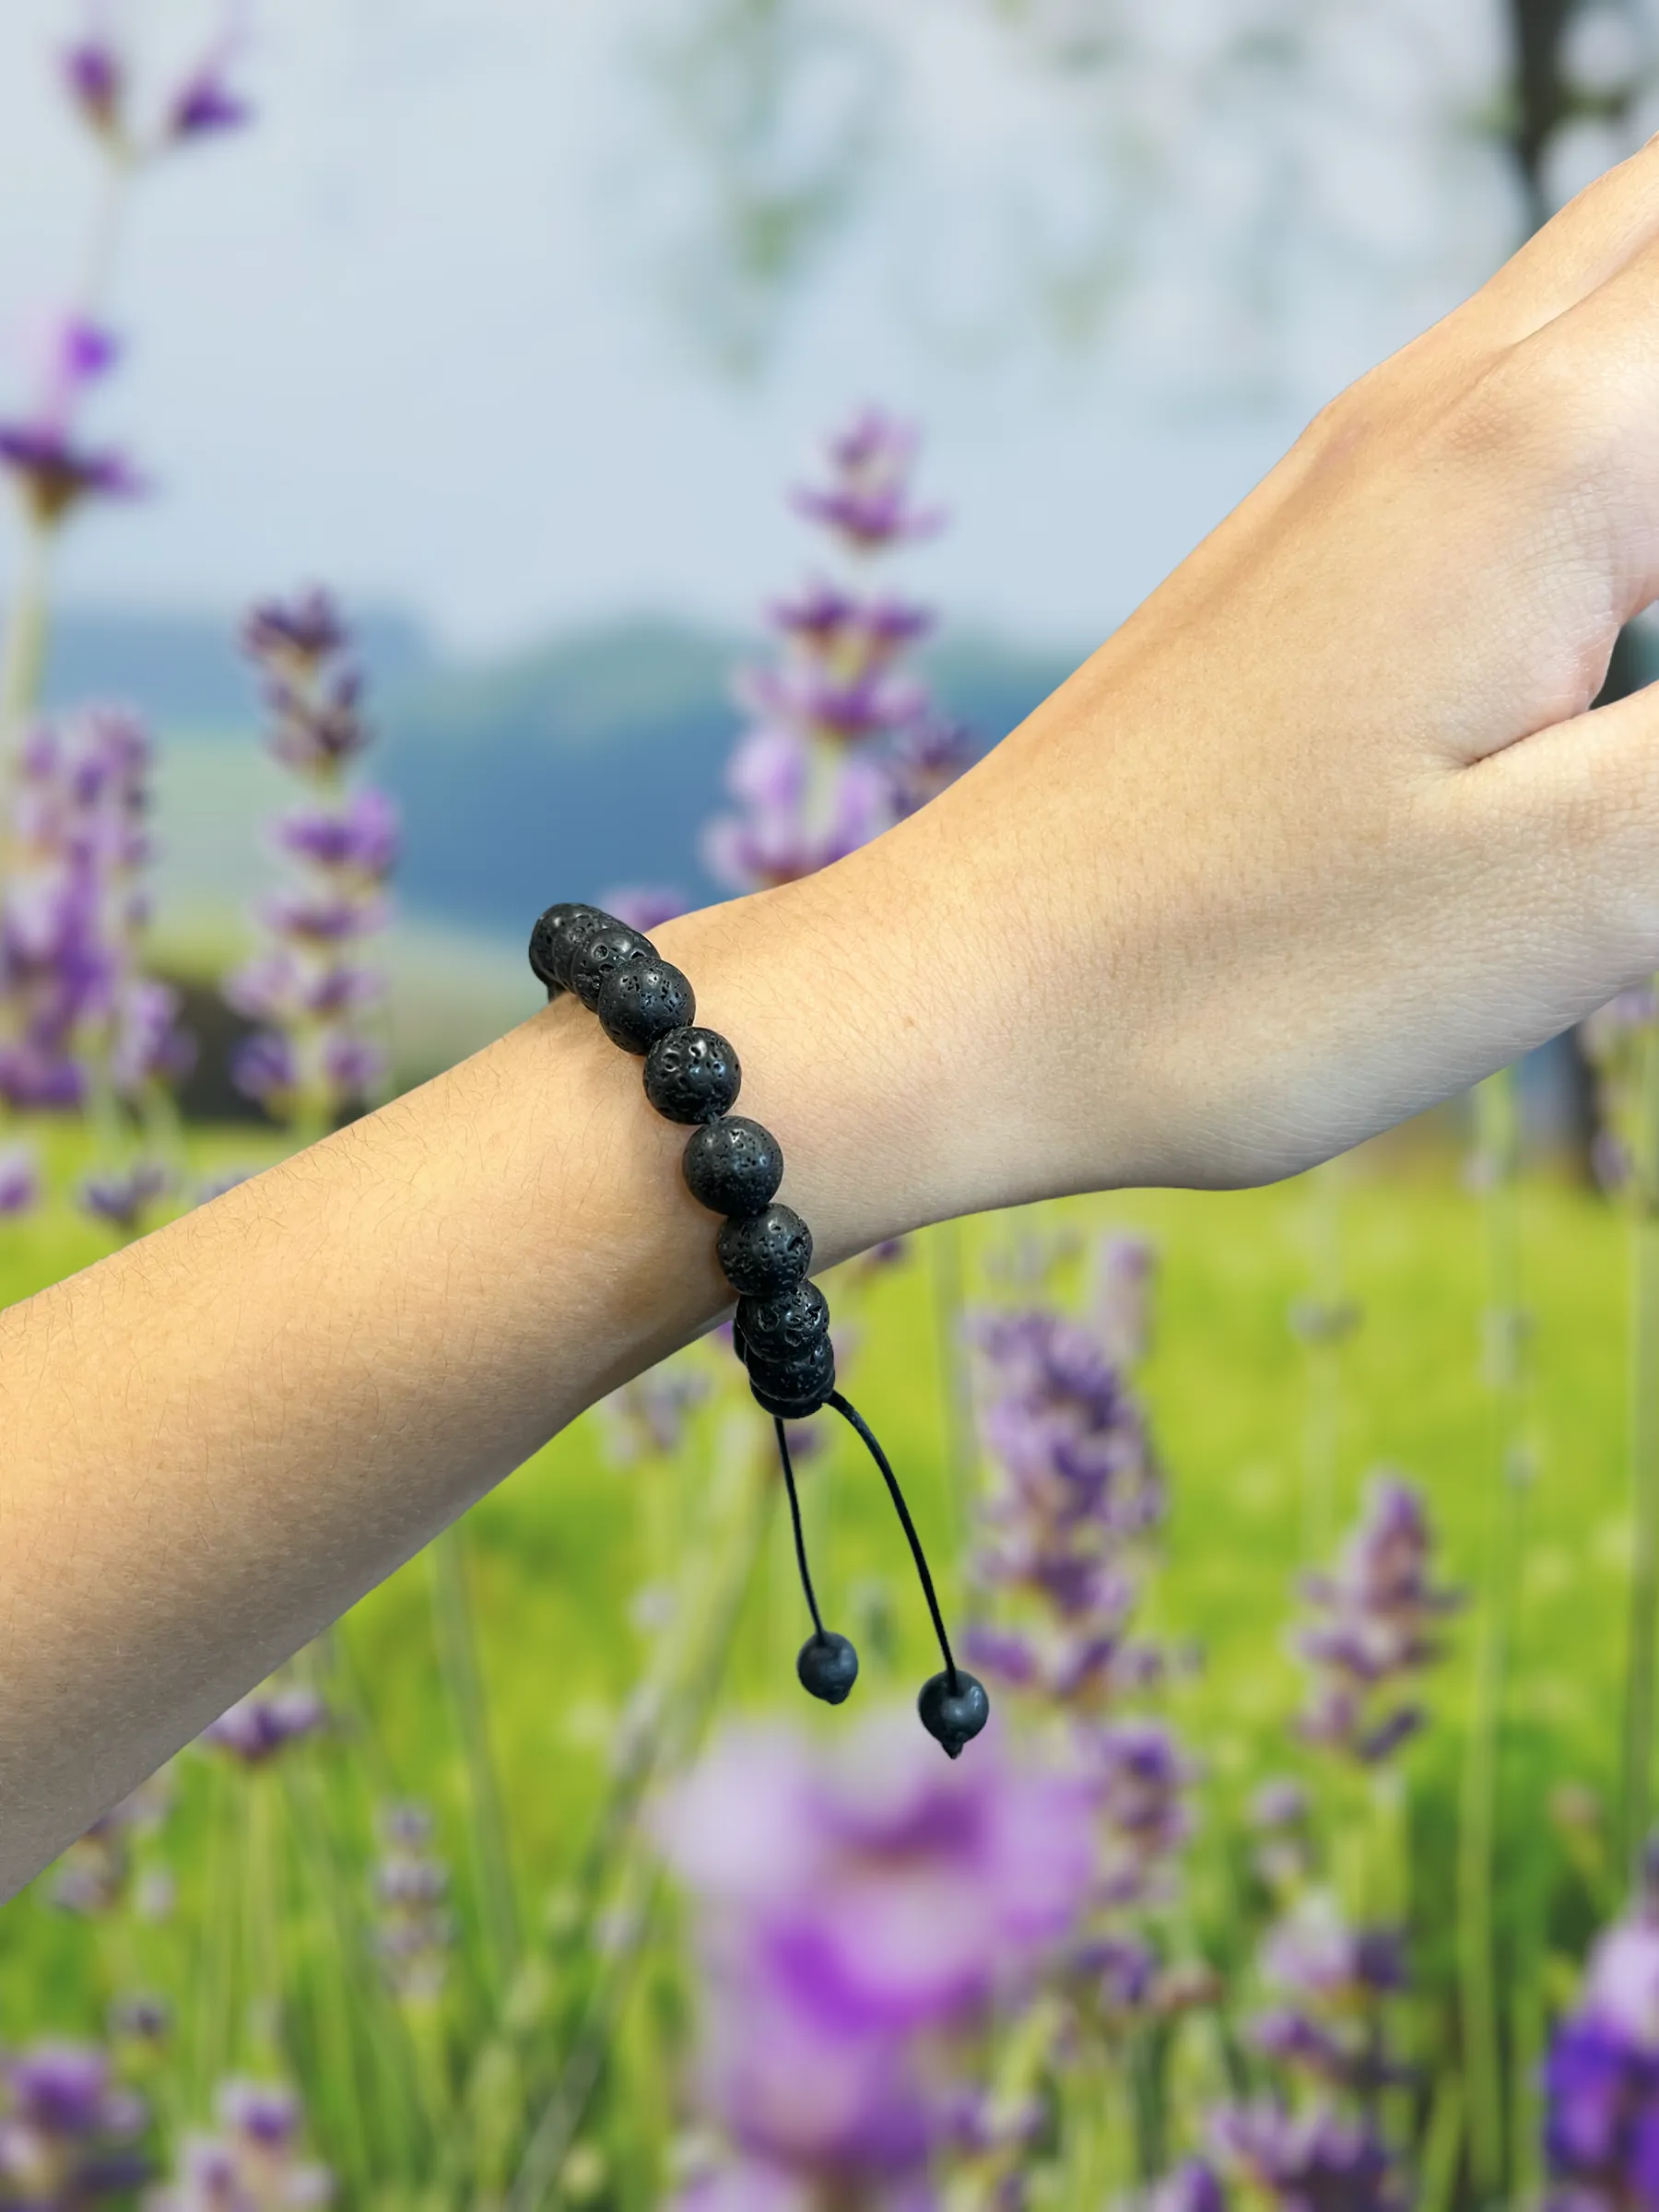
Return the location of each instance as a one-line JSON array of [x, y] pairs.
[[1322, 834]]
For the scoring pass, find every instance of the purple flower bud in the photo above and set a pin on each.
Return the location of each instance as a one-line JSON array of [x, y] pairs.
[[1194, 2187], [265, 1067], [1315, 2158], [55, 474], [123, 1197], [324, 916], [295, 635], [318, 732], [645, 907], [352, 1066], [358, 840], [94, 75], [258, 1727], [20, 1181], [867, 502], [205, 105]]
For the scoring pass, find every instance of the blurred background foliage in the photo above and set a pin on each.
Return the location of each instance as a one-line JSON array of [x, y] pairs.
[[1309, 1537]]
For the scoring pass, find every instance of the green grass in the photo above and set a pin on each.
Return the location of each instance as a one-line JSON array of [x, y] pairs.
[[559, 1552]]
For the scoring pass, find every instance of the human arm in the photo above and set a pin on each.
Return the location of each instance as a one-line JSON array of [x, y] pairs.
[[1322, 833]]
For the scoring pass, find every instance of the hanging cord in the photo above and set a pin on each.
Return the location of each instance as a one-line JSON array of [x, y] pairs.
[[800, 1538], [849, 1413]]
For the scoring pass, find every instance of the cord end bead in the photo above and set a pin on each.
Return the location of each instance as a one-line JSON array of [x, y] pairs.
[[827, 1667], [953, 1713]]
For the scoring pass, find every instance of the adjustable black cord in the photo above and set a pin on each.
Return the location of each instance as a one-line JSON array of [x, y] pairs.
[[795, 1515], [851, 1413]]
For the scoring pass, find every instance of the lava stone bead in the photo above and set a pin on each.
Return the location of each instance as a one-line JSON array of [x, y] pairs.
[[954, 1716], [784, 1326], [603, 950], [790, 1407], [555, 940], [692, 1076], [767, 1252], [642, 1001], [827, 1667], [793, 1387], [793, 1374], [732, 1166]]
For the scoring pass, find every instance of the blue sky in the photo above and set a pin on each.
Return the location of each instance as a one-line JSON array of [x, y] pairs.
[[410, 334]]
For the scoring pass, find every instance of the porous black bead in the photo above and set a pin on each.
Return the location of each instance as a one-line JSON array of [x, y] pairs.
[[789, 1408], [610, 946], [555, 939], [732, 1166], [792, 1387], [954, 1716], [767, 1252], [692, 1076], [642, 1001], [827, 1667], [784, 1326], [793, 1374]]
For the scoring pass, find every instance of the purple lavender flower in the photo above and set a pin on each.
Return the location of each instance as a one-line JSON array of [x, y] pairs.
[[821, 703], [928, 755], [298, 634], [645, 907], [1601, 2079], [414, 1930], [1315, 2161], [259, 1726], [141, 2018], [867, 502], [68, 2130], [73, 994], [783, 831], [94, 75], [844, 741], [1077, 1488], [1193, 2187], [252, 2163], [856, 637], [850, 1913], [318, 732], [359, 840], [312, 1056], [1279, 1814], [1371, 1628], [54, 472], [20, 1181], [648, 1417], [124, 1196], [1143, 1781], [94, 1875], [204, 106]]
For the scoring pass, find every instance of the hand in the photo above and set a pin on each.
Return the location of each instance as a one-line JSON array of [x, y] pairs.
[[1325, 832]]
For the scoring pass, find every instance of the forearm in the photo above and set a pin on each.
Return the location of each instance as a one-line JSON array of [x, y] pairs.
[[219, 1438]]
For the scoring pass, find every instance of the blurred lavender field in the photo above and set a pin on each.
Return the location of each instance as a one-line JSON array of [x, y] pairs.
[[716, 423]]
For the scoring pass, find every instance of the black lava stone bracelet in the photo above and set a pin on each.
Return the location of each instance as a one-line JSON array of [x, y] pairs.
[[734, 1168]]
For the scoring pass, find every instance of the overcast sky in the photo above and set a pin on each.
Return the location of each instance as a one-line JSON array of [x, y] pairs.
[[407, 335]]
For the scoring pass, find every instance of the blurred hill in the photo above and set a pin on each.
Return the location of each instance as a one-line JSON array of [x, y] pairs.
[[588, 761], [596, 759], [564, 770]]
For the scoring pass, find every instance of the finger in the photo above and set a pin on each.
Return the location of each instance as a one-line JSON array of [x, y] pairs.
[[1567, 822], [1588, 241]]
